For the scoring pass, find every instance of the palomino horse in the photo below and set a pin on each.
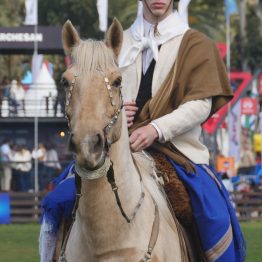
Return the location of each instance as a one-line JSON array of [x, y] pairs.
[[122, 216]]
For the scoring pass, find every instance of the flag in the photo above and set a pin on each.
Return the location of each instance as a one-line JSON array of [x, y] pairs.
[[231, 7], [250, 121], [37, 61], [102, 8], [234, 132], [31, 17]]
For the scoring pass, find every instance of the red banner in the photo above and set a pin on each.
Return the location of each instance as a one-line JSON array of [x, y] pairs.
[[222, 49], [214, 121], [248, 106]]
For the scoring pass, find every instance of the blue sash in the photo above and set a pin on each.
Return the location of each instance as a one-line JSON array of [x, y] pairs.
[[59, 203], [220, 234]]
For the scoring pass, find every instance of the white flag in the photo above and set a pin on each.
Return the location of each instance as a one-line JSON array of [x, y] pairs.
[[234, 132], [31, 17], [102, 8]]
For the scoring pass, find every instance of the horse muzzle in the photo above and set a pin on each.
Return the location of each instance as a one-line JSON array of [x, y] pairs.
[[92, 152]]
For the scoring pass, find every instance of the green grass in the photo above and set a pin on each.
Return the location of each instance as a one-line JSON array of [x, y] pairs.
[[20, 242], [253, 235]]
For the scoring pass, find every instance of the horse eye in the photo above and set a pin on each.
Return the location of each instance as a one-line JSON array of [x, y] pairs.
[[117, 82], [64, 82]]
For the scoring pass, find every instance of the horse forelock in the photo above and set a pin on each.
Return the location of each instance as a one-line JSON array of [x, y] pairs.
[[91, 56]]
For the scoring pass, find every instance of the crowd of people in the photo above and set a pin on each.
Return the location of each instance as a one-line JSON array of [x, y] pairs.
[[13, 99], [17, 162]]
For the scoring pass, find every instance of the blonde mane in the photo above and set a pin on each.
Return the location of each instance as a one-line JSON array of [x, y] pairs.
[[90, 56]]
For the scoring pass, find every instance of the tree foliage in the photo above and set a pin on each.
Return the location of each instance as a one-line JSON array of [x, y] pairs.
[[208, 16], [253, 43], [205, 15], [12, 14]]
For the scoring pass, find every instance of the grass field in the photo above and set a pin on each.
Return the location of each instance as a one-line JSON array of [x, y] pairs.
[[20, 242]]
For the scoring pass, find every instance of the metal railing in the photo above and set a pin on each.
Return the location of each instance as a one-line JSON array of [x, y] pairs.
[[37, 101], [25, 207]]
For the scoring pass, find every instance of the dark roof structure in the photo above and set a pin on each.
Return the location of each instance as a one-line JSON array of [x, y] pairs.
[[20, 40]]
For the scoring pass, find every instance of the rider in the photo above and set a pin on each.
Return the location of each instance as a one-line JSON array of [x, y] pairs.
[[166, 103], [173, 80]]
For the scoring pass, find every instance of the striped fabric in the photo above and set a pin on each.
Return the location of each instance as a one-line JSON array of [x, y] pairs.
[[220, 234]]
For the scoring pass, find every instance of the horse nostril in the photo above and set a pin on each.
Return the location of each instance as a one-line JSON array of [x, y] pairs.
[[98, 139], [98, 143]]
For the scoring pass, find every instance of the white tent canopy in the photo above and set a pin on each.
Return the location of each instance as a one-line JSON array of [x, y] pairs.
[[40, 97]]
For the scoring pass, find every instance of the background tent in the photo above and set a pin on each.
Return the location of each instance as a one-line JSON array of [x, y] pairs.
[[41, 95]]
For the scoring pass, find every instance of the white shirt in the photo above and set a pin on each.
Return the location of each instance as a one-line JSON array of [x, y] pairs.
[[40, 154], [23, 159], [147, 54], [6, 152], [52, 159]]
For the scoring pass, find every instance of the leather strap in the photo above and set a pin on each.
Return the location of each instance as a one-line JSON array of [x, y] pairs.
[[111, 180], [154, 235]]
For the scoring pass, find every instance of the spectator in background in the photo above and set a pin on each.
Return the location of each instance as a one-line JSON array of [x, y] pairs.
[[40, 155], [229, 187], [52, 165], [1, 99], [258, 187], [17, 96], [22, 164], [5, 92], [227, 182], [6, 88], [243, 186], [6, 158], [60, 99]]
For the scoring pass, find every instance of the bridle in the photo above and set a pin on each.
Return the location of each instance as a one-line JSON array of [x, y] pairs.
[[107, 169], [102, 168], [115, 116]]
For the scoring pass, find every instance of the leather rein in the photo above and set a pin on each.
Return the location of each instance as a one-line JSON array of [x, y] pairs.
[[108, 170]]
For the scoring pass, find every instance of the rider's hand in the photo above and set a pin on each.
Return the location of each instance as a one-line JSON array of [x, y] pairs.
[[131, 109], [143, 137]]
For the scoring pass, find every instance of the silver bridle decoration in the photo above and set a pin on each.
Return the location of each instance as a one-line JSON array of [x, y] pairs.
[[72, 85]]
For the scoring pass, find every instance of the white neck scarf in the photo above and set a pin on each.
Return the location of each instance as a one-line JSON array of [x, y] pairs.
[[172, 26]]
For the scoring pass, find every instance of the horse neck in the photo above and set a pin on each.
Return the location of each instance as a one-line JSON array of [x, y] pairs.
[[98, 197]]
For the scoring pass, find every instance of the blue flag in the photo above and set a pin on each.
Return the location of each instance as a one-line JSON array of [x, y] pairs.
[[231, 7]]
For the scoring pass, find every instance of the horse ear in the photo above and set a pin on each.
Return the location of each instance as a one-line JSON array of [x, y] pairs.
[[114, 37], [70, 37]]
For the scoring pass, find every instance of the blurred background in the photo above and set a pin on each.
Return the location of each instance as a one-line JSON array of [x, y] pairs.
[[34, 131]]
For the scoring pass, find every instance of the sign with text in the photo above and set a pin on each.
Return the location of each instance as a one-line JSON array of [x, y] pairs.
[[20, 40], [248, 106]]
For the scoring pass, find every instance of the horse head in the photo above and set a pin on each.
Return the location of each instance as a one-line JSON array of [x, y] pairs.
[[93, 94]]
